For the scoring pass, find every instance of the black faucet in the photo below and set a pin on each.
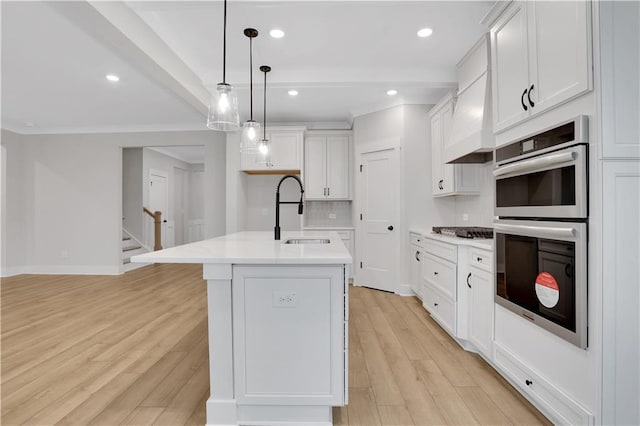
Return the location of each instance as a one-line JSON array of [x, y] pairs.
[[278, 202]]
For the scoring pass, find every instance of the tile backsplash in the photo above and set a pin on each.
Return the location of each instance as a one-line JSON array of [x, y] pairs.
[[477, 210], [328, 213]]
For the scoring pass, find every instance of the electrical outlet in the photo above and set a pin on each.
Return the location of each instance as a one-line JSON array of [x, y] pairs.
[[284, 299], [465, 217], [332, 215]]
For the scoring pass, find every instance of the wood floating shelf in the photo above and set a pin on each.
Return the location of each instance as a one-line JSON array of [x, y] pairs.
[[272, 172]]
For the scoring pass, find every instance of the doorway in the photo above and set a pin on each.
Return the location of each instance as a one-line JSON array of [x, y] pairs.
[[378, 225]]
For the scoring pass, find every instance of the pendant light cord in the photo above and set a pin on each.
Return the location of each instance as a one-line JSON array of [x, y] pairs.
[[251, 73], [224, 45], [264, 133]]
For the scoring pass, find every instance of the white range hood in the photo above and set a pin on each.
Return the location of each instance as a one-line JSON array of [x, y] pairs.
[[471, 137]]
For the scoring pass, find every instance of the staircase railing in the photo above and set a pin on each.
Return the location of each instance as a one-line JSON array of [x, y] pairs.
[[157, 227]]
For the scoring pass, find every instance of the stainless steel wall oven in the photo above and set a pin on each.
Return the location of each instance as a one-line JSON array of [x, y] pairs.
[[541, 229]]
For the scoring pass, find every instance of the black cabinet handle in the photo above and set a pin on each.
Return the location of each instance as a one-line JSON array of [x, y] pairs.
[[390, 227], [418, 256], [435, 304], [435, 273], [528, 382], [524, 107], [480, 259], [440, 184], [468, 277], [529, 97]]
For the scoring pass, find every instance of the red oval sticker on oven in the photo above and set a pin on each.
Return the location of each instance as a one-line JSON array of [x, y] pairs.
[[547, 289]]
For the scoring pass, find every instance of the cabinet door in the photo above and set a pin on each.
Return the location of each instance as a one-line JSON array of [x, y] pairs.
[[436, 154], [559, 52], [337, 156], [448, 174], [415, 271], [481, 306], [286, 149], [509, 65], [315, 167]]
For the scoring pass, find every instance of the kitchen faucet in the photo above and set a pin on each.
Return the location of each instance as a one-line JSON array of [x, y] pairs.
[[278, 202]]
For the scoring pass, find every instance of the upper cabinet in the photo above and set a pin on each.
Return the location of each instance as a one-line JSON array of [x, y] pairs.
[[540, 58], [327, 165], [448, 179], [286, 152]]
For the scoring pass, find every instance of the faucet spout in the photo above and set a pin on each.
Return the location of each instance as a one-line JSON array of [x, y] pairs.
[[278, 202]]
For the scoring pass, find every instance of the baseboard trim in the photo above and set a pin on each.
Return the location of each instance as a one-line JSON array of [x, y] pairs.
[[12, 271], [71, 270], [404, 290]]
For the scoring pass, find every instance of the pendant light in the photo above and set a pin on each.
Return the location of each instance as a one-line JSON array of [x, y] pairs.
[[263, 156], [250, 128], [223, 109]]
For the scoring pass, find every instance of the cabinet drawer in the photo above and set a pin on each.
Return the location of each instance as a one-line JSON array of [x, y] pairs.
[[440, 308], [482, 259], [415, 239], [444, 250], [440, 274], [562, 408]]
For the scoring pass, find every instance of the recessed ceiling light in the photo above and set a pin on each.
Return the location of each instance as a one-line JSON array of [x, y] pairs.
[[425, 32], [112, 77], [276, 33], [392, 92], [293, 93]]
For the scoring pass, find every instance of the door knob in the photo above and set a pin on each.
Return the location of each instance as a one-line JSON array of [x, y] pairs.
[[390, 227]]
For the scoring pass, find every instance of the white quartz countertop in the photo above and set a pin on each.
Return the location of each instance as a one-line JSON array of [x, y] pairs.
[[329, 228], [483, 243], [255, 248]]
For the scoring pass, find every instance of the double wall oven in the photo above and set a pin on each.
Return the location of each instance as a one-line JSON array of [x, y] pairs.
[[542, 208]]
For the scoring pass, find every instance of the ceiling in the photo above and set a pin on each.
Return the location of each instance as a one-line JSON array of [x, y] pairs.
[[341, 56]]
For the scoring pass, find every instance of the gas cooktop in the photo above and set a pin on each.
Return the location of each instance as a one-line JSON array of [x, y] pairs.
[[464, 231]]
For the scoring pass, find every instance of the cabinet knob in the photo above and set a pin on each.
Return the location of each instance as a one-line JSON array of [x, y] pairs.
[[528, 382], [524, 107], [390, 227], [479, 259], [435, 304], [435, 273]]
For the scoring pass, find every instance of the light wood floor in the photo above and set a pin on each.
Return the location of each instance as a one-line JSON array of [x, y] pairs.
[[132, 349]]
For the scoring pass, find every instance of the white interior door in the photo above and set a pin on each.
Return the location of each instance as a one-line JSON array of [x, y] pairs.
[[159, 199], [379, 209]]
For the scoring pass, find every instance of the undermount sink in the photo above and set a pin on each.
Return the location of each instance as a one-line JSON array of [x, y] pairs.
[[307, 241]]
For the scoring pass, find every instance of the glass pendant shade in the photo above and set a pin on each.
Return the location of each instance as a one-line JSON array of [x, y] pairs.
[[263, 154], [223, 109], [250, 137]]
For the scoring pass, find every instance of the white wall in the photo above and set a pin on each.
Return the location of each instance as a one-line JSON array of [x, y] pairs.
[[215, 185], [479, 208], [236, 196], [132, 173], [14, 206], [73, 190]]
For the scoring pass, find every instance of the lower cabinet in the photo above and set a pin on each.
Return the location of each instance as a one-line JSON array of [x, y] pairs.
[[480, 288], [290, 341], [415, 264]]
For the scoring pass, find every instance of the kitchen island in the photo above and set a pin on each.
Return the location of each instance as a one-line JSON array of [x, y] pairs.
[[278, 322]]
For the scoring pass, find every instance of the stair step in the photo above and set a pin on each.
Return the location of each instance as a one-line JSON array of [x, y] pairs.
[[129, 248], [126, 238], [126, 261]]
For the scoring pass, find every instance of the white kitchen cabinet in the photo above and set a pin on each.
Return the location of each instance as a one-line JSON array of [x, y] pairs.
[[286, 152], [448, 179], [293, 320], [439, 283], [415, 261], [327, 165], [620, 68], [541, 57], [621, 292], [479, 284], [348, 239]]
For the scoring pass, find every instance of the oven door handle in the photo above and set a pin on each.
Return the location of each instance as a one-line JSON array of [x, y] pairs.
[[536, 163], [539, 231]]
